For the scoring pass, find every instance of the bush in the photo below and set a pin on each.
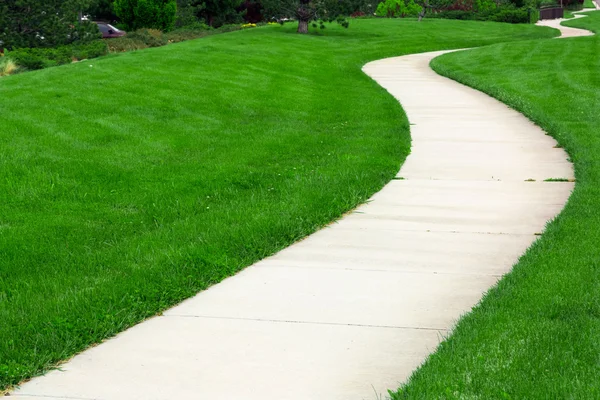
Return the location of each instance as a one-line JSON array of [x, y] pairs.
[[454, 14], [144, 38], [534, 15], [510, 15], [28, 24], [507, 14], [155, 14], [573, 5], [186, 13], [194, 27], [150, 37], [122, 44], [86, 51], [398, 8], [38, 58], [484, 5], [228, 28]]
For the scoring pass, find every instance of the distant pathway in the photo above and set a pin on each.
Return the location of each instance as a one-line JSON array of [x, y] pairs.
[[565, 31], [352, 310]]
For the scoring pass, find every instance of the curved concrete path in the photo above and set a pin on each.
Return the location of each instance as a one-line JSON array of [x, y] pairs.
[[352, 310], [565, 31]]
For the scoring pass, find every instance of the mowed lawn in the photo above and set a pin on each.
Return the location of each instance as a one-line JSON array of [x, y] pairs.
[[537, 334], [131, 182]]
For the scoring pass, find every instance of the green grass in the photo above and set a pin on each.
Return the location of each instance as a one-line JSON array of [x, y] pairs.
[[588, 4], [537, 334], [131, 182]]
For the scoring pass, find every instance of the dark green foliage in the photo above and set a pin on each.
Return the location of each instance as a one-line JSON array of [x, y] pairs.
[[144, 38], [252, 11], [187, 13], [219, 12], [33, 23], [124, 44], [398, 8], [517, 3], [534, 15], [102, 10], [214, 13], [501, 14], [573, 4], [454, 14], [154, 14], [510, 15], [350, 7], [38, 58]]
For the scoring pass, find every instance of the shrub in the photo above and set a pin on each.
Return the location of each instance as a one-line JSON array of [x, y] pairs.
[[573, 5], [196, 26], [454, 14], [228, 28], [144, 38], [27, 24], [534, 15], [122, 44], [510, 15], [189, 32], [507, 13], [186, 13], [155, 14], [150, 37], [398, 8], [86, 51], [38, 58], [32, 59], [217, 13], [484, 5]]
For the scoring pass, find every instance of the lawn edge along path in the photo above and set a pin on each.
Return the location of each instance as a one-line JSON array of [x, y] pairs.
[[352, 310]]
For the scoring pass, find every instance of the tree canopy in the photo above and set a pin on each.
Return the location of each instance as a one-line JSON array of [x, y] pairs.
[[50, 23], [157, 14], [315, 11]]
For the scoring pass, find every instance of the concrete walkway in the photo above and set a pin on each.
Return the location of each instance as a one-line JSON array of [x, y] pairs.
[[565, 31], [352, 310]]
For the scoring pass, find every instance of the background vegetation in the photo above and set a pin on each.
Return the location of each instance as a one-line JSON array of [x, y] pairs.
[[153, 14]]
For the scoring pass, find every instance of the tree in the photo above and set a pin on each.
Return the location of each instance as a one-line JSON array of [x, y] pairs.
[[102, 10], [251, 10], [187, 13], [34, 23], [307, 11], [155, 14], [218, 12]]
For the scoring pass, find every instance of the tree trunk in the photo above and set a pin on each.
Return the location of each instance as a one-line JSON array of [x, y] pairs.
[[302, 26]]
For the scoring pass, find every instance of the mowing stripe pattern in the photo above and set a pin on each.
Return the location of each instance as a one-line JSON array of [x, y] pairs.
[[314, 320]]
